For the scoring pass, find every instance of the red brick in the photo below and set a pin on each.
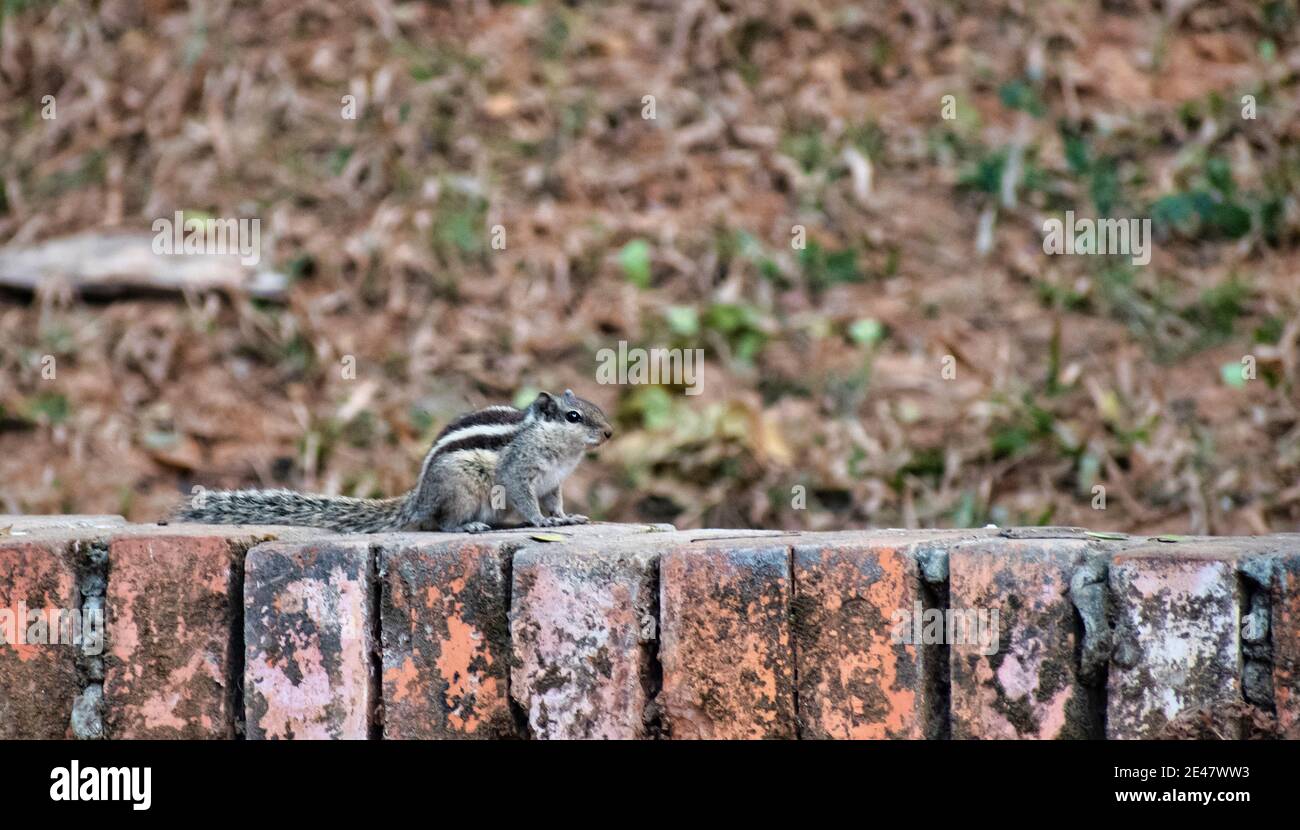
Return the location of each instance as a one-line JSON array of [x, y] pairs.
[[1285, 632], [1030, 686], [725, 649], [582, 625], [308, 643], [1177, 645], [446, 650], [855, 681], [172, 604], [38, 682]]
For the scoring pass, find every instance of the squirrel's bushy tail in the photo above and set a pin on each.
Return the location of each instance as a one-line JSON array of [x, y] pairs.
[[285, 507]]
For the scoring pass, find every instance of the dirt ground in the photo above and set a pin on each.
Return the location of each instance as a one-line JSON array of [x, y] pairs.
[[653, 167]]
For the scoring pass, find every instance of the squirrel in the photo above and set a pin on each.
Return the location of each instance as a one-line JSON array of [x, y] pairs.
[[528, 452]]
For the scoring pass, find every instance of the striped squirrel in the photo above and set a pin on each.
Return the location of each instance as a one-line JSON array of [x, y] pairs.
[[529, 452]]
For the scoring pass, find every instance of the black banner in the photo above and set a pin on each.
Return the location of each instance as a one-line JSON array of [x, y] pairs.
[[259, 781]]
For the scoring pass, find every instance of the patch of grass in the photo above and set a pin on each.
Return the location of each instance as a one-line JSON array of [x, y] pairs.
[[1215, 312], [1098, 172], [1027, 426], [1269, 330], [459, 230], [1021, 94], [339, 159], [90, 170], [823, 268], [746, 37], [746, 246], [554, 39], [985, 175], [1212, 208], [1169, 327], [869, 138], [966, 513], [48, 407], [807, 149], [923, 463], [740, 325]]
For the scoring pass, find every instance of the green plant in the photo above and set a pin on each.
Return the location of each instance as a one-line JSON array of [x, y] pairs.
[[823, 268]]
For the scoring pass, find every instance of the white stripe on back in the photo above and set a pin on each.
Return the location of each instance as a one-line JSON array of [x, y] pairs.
[[479, 430]]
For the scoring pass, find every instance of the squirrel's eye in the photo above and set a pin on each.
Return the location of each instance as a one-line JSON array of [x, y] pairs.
[[573, 416]]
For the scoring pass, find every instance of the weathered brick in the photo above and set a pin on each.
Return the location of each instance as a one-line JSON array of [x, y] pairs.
[[1024, 682], [173, 602], [38, 682], [582, 625], [308, 642], [855, 681], [1177, 645], [1284, 633], [725, 649], [445, 641]]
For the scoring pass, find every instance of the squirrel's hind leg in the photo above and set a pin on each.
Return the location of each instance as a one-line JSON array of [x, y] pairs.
[[466, 503]]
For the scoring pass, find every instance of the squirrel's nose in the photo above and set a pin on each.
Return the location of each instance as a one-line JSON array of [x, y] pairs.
[[608, 433]]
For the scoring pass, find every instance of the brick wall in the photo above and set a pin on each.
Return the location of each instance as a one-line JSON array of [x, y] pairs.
[[635, 631]]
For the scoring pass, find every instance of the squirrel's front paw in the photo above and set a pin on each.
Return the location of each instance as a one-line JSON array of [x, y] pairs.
[[561, 521]]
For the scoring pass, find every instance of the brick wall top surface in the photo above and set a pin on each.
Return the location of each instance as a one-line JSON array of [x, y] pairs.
[[644, 631]]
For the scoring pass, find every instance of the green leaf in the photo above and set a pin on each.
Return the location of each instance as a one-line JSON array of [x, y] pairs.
[[52, 406], [1010, 440], [1176, 211], [1089, 470], [635, 261], [1105, 184], [986, 177], [548, 537], [683, 320], [653, 405], [1076, 152], [842, 266], [1019, 95], [866, 332], [1231, 220], [1234, 374], [525, 396], [1219, 173], [823, 268]]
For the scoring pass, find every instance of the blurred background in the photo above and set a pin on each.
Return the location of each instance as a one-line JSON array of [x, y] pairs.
[[824, 403]]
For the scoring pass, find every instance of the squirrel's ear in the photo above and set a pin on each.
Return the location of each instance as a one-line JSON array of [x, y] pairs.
[[545, 404], [568, 395]]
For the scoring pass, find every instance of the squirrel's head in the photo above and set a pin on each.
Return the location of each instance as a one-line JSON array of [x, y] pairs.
[[580, 420]]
